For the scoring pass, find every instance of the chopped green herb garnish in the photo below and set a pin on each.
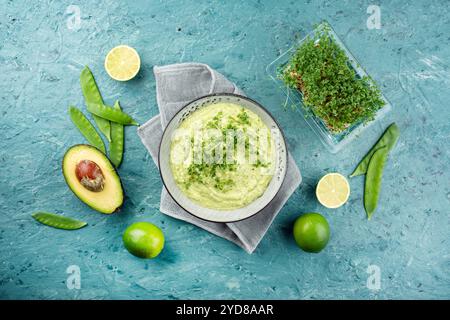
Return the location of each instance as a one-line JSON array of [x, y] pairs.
[[214, 123], [243, 117], [202, 172], [215, 171], [259, 164], [223, 184]]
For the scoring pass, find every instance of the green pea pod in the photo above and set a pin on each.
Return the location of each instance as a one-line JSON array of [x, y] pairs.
[[86, 128], [114, 115], [117, 141], [91, 95], [373, 180], [58, 221], [388, 139]]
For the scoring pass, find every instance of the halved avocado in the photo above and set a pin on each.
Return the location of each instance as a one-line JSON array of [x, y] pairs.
[[92, 178]]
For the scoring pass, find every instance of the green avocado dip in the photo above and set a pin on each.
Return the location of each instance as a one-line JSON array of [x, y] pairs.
[[222, 156]]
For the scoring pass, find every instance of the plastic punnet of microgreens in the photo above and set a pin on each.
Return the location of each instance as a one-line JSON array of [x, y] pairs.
[[329, 85]]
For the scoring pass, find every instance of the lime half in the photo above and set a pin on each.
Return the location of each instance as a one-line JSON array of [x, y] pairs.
[[122, 63], [333, 190]]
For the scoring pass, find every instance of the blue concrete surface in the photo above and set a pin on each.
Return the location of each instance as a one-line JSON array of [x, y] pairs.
[[41, 58]]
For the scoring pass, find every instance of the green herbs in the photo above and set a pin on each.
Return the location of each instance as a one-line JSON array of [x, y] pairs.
[[223, 184], [243, 117], [58, 221], [373, 165], [215, 122], [260, 164], [202, 173], [212, 170], [215, 168], [330, 87]]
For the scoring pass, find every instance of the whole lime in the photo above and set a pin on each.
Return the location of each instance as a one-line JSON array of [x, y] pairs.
[[311, 232], [143, 239]]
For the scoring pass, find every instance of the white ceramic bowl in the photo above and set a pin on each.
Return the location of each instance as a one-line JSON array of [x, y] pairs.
[[221, 215]]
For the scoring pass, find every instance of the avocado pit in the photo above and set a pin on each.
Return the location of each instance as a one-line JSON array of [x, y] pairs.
[[90, 175]]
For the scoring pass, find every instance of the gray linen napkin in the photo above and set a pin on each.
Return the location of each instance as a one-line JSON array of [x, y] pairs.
[[176, 85]]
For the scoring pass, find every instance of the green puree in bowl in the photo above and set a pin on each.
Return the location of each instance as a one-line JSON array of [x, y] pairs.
[[222, 156]]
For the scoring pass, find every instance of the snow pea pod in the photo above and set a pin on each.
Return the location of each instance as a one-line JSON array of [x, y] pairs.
[[373, 180], [91, 95], [58, 221], [388, 140], [86, 128], [117, 139], [111, 114]]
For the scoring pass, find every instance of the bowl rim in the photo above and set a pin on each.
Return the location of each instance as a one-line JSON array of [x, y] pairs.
[[214, 95]]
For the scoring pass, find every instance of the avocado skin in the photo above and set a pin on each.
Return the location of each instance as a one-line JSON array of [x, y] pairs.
[[112, 166]]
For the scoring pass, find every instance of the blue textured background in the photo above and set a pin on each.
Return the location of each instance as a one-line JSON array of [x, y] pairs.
[[41, 58]]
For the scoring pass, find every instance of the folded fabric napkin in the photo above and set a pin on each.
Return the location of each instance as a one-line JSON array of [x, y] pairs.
[[177, 85]]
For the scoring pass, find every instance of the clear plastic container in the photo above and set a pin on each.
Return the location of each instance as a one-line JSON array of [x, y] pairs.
[[332, 141]]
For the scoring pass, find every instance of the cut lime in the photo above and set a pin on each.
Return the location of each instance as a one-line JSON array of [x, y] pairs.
[[333, 190], [122, 63]]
